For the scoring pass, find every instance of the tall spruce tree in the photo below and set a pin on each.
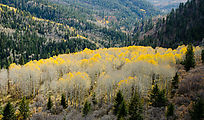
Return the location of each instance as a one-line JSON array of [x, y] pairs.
[[170, 110], [87, 108], [122, 110], [118, 100], [9, 112], [49, 103], [174, 84], [202, 56], [21, 60], [1, 109], [175, 80], [197, 112], [94, 100], [63, 101], [24, 108], [135, 108], [190, 58], [157, 98]]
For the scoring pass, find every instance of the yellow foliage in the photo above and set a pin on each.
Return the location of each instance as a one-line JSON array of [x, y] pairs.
[[142, 10], [105, 67], [1, 116]]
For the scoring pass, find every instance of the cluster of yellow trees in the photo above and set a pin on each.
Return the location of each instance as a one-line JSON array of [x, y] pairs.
[[102, 71]]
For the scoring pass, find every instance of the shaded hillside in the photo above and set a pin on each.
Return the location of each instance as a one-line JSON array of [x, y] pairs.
[[182, 26], [24, 37], [125, 11], [74, 17]]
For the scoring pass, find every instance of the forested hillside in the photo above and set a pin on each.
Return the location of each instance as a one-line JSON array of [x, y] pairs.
[[25, 38], [78, 60], [74, 17], [166, 5], [182, 26], [125, 12], [101, 80]]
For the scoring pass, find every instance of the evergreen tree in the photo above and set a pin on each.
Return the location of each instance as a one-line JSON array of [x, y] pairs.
[[174, 82], [118, 101], [67, 51], [1, 110], [157, 97], [24, 109], [8, 112], [122, 110], [197, 112], [170, 110], [94, 101], [202, 56], [49, 104], [135, 108], [190, 58], [63, 101], [21, 60], [87, 108], [57, 52]]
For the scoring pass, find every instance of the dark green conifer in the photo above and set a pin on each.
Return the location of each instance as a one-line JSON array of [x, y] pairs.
[[190, 58], [157, 97], [170, 110], [202, 56], [1, 109], [135, 108], [24, 108], [94, 101], [63, 101], [118, 101], [197, 112], [122, 111], [87, 108], [175, 81], [9, 112], [49, 104], [21, 60]]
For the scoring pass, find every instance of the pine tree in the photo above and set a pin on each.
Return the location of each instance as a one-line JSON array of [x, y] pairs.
[[197, 112], [170, 110], [21, 60], [24, 109], [202, 56], [49, 104], [190, 58], [94, 101], [118, 101], [67, 51], [122, 110], [174, 83], [57, 52], [1, 110], [157, 98], [8, 112], [87, 108], [135, 108], [63, 101]]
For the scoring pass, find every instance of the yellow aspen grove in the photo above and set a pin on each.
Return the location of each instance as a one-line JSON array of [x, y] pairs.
[[103, 71]]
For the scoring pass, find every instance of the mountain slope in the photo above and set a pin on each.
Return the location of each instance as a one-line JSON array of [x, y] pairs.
[[121, 12], [74, 17], [166, 5], [182, 26], [24, 37]]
